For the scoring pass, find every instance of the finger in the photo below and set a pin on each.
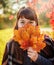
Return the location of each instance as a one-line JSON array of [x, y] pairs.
[[31, 54], [30, 49]]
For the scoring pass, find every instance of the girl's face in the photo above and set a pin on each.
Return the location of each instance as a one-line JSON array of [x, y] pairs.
[[23, 21]]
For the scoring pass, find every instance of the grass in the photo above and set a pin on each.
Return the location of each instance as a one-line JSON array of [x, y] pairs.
[[6, 34]]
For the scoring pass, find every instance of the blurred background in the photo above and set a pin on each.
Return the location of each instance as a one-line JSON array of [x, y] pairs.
[[8, 10]]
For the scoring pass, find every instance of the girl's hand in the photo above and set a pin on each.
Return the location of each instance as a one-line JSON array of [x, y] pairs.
[[33, 55]]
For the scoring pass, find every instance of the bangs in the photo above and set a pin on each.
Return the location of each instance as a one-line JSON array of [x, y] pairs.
[[27, 13]]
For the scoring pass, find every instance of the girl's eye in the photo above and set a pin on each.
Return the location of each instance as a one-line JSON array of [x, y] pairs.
[[22, 22], [31, 22]]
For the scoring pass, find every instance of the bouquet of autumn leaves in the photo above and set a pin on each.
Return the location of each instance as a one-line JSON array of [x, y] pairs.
[[29, 36]]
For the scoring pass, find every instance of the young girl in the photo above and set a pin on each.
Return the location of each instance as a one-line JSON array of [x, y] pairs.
[[14, 55]]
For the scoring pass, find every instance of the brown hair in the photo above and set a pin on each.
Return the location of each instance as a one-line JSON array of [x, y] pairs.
[[28, 13]]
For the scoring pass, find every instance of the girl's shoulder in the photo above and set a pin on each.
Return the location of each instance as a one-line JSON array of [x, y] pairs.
[[12, 45], [12, 42], [15, 51], [48, 51], [49, 41]]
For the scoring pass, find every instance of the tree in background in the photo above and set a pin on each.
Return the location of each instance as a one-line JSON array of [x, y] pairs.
[[50, 14], [10, 7], [6, 7]]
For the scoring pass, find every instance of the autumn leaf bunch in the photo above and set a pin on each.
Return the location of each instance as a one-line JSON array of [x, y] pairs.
[[29, 36]]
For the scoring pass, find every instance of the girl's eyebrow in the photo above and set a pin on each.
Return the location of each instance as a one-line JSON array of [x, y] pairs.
[[22, 20]]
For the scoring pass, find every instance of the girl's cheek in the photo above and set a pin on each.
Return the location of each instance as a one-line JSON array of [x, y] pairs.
[[33, 24], [20, 25]]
